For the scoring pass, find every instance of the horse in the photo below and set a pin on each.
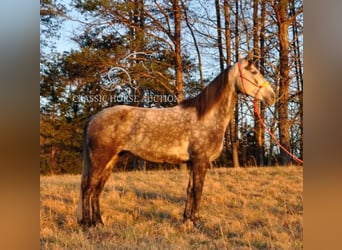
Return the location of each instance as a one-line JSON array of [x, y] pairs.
[[191, 132]]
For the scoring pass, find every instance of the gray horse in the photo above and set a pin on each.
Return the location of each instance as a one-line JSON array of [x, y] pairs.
[[191, 132]]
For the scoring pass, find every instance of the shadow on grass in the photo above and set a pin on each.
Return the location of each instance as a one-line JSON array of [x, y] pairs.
[[161, 214]]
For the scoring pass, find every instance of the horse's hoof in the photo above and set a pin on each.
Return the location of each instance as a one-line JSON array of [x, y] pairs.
[[187, 224], [198, 223]]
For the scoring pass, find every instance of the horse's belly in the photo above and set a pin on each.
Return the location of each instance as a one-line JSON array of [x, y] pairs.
[[163, 154]]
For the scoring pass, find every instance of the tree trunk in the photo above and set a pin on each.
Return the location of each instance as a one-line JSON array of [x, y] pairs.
[[235, 121], [219, 34], [259, 52], [226, 11], [299, 74], [262, 71], [235, 143], [52, 159], [283, 24], [195, 43], [178, 57], [256, 52]]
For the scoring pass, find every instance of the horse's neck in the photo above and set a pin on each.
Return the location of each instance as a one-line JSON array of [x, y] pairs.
[[226, 106]]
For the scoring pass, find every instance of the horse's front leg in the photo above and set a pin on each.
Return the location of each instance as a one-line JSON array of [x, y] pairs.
[[199, 172]]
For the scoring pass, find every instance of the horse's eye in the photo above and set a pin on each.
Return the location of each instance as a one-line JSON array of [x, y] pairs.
[[254, 72]]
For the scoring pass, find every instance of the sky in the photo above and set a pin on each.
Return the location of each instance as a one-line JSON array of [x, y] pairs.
[[69, 28]]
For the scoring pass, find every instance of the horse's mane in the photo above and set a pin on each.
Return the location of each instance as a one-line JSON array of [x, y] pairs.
[[209, 96]]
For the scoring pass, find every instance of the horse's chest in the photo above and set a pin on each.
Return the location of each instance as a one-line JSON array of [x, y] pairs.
[[208, 143]]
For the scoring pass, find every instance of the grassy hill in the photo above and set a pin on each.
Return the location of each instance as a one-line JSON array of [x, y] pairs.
[[247, 208]]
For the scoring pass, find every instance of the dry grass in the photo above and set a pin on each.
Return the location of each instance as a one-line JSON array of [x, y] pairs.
[[250, 208]]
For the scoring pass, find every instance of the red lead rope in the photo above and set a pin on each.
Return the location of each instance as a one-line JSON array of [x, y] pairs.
[[256, 109]]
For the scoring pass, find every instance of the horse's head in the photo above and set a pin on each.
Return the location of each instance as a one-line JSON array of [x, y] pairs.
[[251, 82]]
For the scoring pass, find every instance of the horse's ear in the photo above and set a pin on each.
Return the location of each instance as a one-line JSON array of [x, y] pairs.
[[250, 55]]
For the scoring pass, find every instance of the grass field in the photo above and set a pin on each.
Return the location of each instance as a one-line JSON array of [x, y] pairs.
[[247, 208]]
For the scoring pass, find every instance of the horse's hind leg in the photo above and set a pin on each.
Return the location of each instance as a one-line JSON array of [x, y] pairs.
[[190, 197], [95, 201], [94, 178], [86, 192]]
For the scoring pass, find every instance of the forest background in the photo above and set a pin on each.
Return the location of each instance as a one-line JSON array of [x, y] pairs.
[[97, 53]]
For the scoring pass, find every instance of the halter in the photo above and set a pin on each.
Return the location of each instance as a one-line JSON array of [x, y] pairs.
[[256, 110], [264, 84]]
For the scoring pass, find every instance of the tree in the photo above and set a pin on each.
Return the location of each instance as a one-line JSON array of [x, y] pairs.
[[228, 59], [283, 21], [153, 40], [234, 123], [298, 68], [199, 57], [70, 84], [219, 34], [51, 19], [178, 51], [259, 53]]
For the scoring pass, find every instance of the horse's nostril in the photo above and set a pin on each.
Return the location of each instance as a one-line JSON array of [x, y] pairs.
[[271, 100]]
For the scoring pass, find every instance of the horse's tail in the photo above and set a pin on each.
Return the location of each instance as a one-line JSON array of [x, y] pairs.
[[86, 157], [85, 169]]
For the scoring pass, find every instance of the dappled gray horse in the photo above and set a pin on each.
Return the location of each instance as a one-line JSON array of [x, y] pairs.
[[191, 132]]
